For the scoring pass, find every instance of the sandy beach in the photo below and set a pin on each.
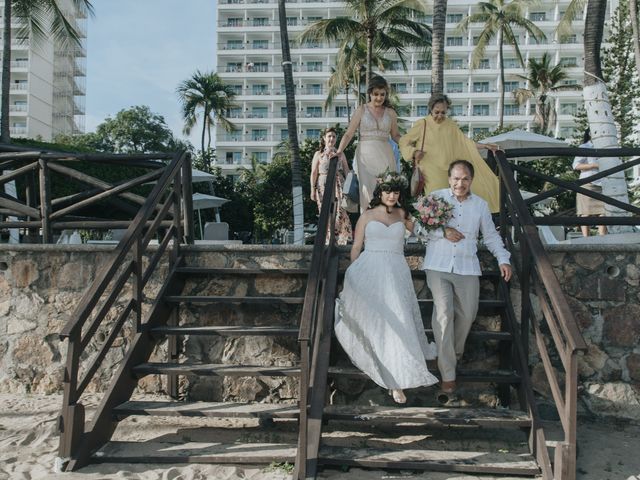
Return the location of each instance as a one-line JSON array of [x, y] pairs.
[[608, 450]]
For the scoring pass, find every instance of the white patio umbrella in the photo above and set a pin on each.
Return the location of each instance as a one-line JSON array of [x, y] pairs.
[[202, 201], [522, 139]]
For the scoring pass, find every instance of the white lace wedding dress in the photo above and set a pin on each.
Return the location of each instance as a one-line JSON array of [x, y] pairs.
[[378, 321]]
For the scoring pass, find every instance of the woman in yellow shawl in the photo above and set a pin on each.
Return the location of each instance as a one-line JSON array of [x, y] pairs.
[[435, 141]]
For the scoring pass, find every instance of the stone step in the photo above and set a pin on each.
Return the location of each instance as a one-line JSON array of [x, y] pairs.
[[487, 462], [216, 370], [206, 409]]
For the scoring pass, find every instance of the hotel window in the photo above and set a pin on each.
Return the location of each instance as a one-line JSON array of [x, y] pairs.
[[314, 112], [260, 157], [283, 112], [262, 89], [537, 16], [454, 64], [399, 87], [484, 64], [511, 86], [568, 108], [511, 109], [456, 110], [234, 113], [569, 38], [314, 18], [259, 112], [314, 66], [454, 87], [511, 63], [234, 45], [233, 158], [480, 130], [292, 21], [237, 89], [259, 134], [234, 67], [423, 87], [341, 111], [314, 89], [261, 67], [422, 110], [569, 61], [479, 87], [475, 40], [480, 110], [284, 134], [454, 41], [423, 65], [234, 22], [428, 19], [396, 65], [261, 22], [260, 44], [313, 133], [454, 17]]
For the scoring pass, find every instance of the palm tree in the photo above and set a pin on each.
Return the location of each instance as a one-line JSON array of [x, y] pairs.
[[296, 177], [386, 26], [206, 92], [44, 18], [437, 46], [499, 18], [543, 79], [635, 27], [349, 73], [598, 107]]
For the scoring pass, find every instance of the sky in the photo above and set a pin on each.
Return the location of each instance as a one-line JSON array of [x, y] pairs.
[[138, 51]]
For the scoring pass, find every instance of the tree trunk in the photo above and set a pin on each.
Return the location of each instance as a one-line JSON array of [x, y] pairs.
[[369, 57], [633, 16], [296, 178], [5, 132], [346, 95], [205, 113], [437, 46], [501, 60], [598, 108]]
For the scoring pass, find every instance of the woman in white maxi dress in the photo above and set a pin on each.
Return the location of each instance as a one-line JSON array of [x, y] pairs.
[[378, 320]]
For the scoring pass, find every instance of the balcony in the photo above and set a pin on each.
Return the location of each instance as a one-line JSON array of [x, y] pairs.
[[18, 130], [23, 86], [17, 108], [15, 64]]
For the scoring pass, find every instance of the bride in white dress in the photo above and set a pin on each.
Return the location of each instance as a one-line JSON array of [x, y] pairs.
[[378, 320]]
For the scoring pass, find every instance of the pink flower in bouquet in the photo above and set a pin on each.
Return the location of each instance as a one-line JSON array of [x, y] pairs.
[[432, 212]]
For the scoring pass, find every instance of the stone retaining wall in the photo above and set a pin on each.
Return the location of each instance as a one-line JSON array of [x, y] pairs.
[[40, 285]]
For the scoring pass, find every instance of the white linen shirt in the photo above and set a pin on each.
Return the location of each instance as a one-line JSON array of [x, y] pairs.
[[584, 160], [470, 217]]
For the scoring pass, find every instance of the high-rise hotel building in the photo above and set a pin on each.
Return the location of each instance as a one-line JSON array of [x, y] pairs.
[[47, 94], [249, 59]]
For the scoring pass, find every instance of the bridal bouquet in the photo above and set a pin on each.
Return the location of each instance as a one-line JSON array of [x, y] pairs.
[[432, 212]]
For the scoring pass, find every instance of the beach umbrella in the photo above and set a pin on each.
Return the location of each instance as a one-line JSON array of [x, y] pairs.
[[203, 201], [522, 139]]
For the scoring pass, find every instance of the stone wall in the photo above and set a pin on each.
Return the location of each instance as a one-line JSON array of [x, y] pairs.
[[40, 287]]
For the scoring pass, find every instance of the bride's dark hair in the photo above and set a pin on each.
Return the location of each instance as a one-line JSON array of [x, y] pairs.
[[377, 198]]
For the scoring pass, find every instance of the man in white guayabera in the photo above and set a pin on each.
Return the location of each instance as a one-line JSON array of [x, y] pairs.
[[453, 268]]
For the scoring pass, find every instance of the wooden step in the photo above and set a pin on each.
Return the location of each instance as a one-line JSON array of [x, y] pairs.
[[227, 330], [434, 460], [241, 271], [195, 452], [481, 335], [204, 299], [206, 409], [216, 370], [463, 376], [431, 416]]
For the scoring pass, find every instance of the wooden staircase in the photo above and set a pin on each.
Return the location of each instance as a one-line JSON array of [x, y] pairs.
[[201, 307]]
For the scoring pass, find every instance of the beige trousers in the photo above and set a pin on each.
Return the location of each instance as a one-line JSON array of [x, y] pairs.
[[455, 305]]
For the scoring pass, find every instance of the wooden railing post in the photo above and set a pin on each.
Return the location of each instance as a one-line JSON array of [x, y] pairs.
[[137, 282], [187, 197], [71, 419], [45, 201]]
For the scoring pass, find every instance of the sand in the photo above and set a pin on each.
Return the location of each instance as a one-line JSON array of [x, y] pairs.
[[608, 450]]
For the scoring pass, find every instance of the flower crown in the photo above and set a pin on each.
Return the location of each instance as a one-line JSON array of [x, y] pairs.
[[392, 181]]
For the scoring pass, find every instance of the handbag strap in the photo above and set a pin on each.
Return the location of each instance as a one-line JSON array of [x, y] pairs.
[[424, 134]]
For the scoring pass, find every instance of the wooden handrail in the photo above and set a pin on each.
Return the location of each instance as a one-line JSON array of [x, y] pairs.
[[540, 258]]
